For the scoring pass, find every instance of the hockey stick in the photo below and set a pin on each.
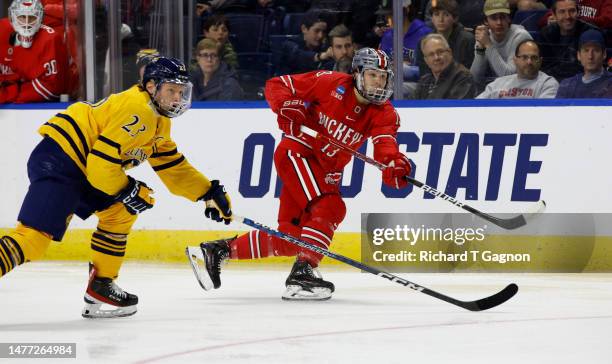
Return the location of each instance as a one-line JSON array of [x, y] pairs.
[[509, 224], [478, 305]]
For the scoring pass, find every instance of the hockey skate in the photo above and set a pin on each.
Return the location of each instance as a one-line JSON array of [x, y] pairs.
[[103, 291], [213, 254], [306, 284]]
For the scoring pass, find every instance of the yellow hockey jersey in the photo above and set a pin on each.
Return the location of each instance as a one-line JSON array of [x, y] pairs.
[[120, 132]]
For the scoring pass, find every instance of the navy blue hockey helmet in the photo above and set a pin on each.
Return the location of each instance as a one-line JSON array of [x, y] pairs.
[[168, 70]]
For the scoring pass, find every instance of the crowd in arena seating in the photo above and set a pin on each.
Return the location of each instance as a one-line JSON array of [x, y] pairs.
[[484, 49], [452, 49]]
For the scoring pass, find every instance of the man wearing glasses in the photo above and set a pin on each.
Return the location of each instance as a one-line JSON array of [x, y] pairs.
[[448, 79], [528, 82], [213, 79]]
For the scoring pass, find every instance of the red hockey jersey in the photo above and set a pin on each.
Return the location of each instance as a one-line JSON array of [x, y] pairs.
[[31, 74], [333, 110], [598, 12]]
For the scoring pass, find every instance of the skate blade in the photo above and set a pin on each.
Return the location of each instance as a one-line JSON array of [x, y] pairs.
[[194, 254], [98, 310], [296, 293]]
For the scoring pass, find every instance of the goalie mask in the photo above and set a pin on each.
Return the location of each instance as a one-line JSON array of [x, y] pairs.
[[372, 59], [172, 96], [26, 17]]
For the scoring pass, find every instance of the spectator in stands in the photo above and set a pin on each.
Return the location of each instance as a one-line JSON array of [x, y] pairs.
[[309, 51], [496, 42], [143, 58], [216, 27], [559, 40], [383, 22], [528, 82], [448, 79], [340, 51], [595, 82], [444, 16], [33, 62], [470, 12], [597, 12], [414, 29], [213, 80]]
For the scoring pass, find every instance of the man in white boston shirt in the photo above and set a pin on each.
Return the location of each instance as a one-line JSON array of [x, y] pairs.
[[528, 82]]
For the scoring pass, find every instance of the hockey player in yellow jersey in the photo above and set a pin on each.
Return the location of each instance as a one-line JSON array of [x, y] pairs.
[[79, 168]]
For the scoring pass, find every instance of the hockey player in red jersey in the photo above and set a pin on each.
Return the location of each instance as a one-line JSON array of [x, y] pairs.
[[347, 108], [33, 62]]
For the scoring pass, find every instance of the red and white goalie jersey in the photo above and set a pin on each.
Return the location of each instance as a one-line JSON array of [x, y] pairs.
[[32, 74], [333, 110]]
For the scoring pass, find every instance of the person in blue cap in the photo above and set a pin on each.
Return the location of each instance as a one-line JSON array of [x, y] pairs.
[[595, 81]]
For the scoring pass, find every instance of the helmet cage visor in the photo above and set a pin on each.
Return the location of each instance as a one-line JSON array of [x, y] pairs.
[[376, 95], [377, 60], [167, 103], [26, 17]]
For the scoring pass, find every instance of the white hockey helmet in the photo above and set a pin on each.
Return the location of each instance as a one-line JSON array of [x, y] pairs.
[[373, 59], [26, 17]]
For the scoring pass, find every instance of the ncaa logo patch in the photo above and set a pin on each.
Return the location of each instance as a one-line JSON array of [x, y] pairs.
[[340, 90]]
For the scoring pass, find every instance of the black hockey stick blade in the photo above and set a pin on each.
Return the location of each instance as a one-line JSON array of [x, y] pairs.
[[492, 301], [481, 304], [513, 222]]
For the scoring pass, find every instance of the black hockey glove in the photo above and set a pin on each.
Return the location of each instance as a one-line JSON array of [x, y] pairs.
[[218, 203], [136, 196]]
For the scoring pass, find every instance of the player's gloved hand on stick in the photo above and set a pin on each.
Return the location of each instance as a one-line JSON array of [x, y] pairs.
[[136, 196], [218, 203], [291, 116], [398, 168]]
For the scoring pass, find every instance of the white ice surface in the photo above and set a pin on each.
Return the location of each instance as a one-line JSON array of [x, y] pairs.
[[555, 318]]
